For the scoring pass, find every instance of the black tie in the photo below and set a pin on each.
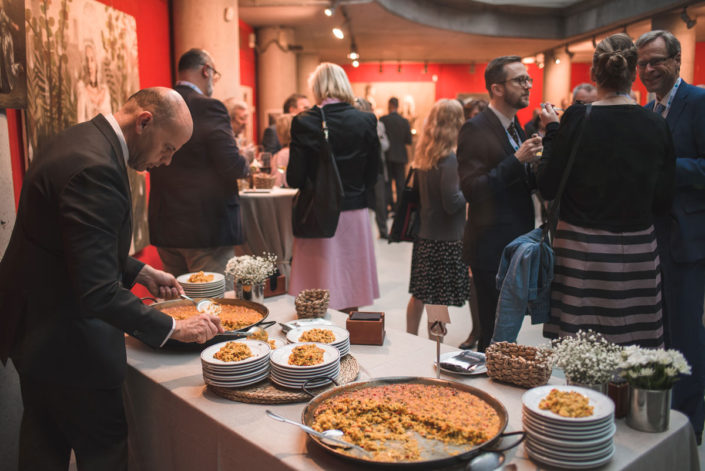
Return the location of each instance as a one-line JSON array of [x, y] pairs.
[[513, 132], [659, 108]]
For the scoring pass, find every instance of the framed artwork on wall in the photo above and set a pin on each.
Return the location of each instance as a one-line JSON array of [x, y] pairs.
[[13, 66], [81, 61]]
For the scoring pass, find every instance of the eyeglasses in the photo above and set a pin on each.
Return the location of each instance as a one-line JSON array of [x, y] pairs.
[[522, 81], [216, 74], [656, 61]]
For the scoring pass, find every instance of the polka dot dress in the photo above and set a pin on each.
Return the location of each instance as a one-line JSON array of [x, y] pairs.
[[438, 274]]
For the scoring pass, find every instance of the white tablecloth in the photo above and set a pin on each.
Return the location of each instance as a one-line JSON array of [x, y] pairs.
[[177, 424]]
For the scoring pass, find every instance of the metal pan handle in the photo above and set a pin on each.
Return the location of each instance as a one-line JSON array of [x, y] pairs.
[[266, 324], [304, 389], [154, 301], [520, 432]]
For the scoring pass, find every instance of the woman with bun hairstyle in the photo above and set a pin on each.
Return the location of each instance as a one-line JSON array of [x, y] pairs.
[[607, 271]]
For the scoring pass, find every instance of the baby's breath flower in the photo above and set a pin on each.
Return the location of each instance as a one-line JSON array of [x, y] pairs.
[[252, 269], [586, 357]]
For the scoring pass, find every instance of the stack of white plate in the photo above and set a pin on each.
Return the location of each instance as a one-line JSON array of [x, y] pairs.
[[235, 374], [293, 376], [569, 442], [208, 289], [341, 342]]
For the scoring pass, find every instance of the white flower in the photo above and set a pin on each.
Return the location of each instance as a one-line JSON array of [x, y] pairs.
[[250, 269]]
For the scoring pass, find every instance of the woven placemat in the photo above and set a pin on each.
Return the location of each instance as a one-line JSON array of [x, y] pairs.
[[266, 392]]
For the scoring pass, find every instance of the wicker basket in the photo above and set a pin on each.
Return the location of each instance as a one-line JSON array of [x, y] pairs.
[[264, 181], [312, 303], [517, 364]]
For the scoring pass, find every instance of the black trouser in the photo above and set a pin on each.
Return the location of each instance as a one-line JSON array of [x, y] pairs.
[[396, 172], [380, 206], [487, 296], [57, 419]]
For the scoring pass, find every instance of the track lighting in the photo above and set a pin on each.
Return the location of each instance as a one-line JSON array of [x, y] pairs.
[[338, 33], [689, 22]]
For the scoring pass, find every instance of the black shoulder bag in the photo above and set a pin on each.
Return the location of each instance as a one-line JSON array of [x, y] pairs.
[[317, 205], [405, 226]]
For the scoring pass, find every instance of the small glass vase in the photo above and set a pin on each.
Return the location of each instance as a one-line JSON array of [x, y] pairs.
[[599, 387], [649, 409], [250, 292]]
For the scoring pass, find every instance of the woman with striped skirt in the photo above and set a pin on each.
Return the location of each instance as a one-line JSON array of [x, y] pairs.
[[607, 274]]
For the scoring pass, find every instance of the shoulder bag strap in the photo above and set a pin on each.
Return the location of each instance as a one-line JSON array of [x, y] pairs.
[[555, 204], [324, 127]]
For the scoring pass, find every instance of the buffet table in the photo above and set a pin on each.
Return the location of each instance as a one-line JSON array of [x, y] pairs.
[[175, 423], [266, 223]]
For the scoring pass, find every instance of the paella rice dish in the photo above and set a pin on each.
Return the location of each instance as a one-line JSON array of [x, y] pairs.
[[385, 420], [567, 404], [306, 355], [317, 335], [233, 351], [259, 335], [200, 277], [232, 317]]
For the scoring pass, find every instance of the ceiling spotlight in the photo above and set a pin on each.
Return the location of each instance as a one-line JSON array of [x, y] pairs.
[[338, 33], [540, 65], [570, 53], [353, 55], [329, 11], [355, 63], [528, 60], [557, 61], [689, 22]]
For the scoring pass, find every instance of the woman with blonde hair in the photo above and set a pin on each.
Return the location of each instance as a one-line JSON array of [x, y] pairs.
[[280, 160], [438, 274], [345, 263]]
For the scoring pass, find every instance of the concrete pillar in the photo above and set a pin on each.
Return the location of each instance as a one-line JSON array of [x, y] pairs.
[[672, 22], [556, 77], [307, 63], [214, 29], [276, 70]]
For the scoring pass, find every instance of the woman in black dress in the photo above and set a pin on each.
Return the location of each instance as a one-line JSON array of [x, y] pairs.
[[607, 272]]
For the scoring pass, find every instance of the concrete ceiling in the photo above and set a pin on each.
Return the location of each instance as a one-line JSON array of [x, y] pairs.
[[381, 34]]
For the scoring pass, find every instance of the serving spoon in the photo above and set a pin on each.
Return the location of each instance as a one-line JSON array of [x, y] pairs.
[[328, 436], [204, 305]]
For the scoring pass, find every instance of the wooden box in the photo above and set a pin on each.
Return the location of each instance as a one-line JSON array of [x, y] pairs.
[[280, 287], [366, 328]]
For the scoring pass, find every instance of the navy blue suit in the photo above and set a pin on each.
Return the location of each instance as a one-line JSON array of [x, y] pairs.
[[498, 189], [682, 249]]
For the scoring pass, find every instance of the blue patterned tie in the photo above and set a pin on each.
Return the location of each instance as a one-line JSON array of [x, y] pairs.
[[659, 108], [513, 132]]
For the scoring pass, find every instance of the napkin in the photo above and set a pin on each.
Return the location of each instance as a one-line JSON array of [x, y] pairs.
[[463, 362]]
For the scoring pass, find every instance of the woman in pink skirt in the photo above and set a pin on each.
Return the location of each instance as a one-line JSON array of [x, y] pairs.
[[345, 263]]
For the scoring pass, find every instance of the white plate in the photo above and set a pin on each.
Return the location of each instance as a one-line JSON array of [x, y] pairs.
[[569, 456], [603, 407], [237, 384], [297, 384], [259, 349], [341, 335], [237, 369], [295, 375], [480, 369], [567, 433], [566, 444], [217, 278], [235, 376], [538, 456], [257, 190], [280, 356], [316, 321]]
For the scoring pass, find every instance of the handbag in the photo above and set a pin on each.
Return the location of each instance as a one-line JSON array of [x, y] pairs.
[[316, 206], [405, 226], [529, 291]]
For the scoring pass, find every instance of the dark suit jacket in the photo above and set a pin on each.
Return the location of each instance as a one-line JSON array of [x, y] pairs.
[[270, 140], [194, 203], [65, 276], [498, 188], [353, 139], [686, 119], [399, 134]]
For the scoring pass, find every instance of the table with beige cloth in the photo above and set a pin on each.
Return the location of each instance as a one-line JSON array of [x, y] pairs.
[[175, 423], [266, 223]]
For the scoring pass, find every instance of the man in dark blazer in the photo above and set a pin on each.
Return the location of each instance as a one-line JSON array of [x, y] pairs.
[[399, 135], [194, 207], [293, 105], [493, 154], [682, 236], [65, 280]]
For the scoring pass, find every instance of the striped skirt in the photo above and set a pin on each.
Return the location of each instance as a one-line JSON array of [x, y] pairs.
[[609, 282]]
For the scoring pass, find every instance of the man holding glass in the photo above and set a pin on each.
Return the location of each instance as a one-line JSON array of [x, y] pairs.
[[194, 208], [493, 158]]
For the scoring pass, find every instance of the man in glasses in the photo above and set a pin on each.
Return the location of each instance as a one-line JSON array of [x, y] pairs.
[[194, 209], [682, 236], [493, 158]]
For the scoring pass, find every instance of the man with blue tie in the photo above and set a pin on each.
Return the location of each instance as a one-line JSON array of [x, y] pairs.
[[682, 237]]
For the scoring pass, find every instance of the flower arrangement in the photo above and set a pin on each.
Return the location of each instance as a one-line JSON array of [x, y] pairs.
[[252, 269], [587, 357], [652, 369]]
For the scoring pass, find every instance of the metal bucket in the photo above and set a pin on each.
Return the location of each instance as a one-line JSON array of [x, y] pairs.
[[649, 409]]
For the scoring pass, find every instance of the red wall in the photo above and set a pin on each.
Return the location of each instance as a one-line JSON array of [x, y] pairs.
[[699, 73], [248, 70]]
